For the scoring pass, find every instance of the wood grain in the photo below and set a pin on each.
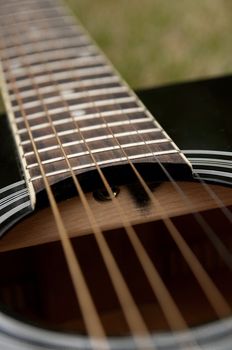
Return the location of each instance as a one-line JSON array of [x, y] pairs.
[[40, 227]]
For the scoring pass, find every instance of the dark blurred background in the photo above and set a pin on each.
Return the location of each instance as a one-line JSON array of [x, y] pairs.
[[154, 42]]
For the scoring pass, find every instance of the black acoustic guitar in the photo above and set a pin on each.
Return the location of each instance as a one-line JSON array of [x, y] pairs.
[[115, 231]]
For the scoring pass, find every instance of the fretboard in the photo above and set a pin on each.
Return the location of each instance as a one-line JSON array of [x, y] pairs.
[[64, 98]]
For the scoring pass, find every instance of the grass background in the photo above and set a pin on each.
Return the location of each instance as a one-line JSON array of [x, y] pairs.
[[154, 42]]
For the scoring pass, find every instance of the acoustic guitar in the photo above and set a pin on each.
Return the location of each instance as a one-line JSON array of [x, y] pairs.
[[110, 237]]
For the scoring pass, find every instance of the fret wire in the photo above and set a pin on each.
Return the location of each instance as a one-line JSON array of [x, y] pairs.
[[96, 138], [12, 3], [27, 12], [92, 321], [47, 18], [105, 149], [67, 32], [87, 116], [59, 54], [48, 51], [56, 29], [79, 62], [81, 106], [91, 139], [70, 85], [92, 127], [37, 21], [92, 165], [56, 76], [45, 45], [75, 95], [66, 121]]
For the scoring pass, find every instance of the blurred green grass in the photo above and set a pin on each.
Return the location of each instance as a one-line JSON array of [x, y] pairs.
[[154, 42]]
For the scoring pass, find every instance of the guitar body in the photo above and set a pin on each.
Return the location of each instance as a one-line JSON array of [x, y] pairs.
[[154, 248]]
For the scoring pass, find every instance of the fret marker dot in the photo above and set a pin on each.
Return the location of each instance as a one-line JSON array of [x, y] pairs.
[[78, 113]]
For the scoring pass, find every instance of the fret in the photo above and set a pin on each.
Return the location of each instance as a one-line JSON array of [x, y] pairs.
[[99, 150], [87, 83], [50, 56], [58, 65], [106, 162], [92, 110], [48, 35], [28, 56], [36, 32], [7, 5], [57, 22], [47, 45], [82, 73], [90, 116], [74, 96], [81, 106], [26, 19], [63, 124], [90, 127], [64, 73], [29, 12], [16, 65], [92, 139], [148, 135]]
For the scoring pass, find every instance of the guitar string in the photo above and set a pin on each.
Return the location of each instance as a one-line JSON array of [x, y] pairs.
[[134, 319], [217, 199], [204, 279], [143, 257], [104, 180], [89, 312], [175, 319], [217, 243], [156, 278], [214, 195], [173, 316], [216, 299], [174, 322], [219, 246]]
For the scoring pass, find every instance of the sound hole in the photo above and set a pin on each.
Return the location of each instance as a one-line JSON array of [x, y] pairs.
[[35, 283]]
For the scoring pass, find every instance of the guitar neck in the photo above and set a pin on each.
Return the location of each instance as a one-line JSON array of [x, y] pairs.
[[65, 102]]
